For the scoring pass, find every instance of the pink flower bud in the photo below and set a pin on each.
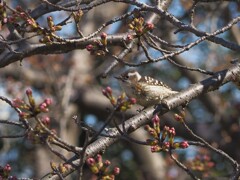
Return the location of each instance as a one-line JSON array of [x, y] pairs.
[[103, 35], [49, 18], [107, 163], [129, 37], [166, 145], [147, 128], [149, 26], [48, 101], [7, 168], [89, 47], [109, 90], [172, 131], [184, 144], [46, 120], [178, 117], [28, 91], [155, 148], [116, 171], [133, 100], [104, 92], [43, 105], [156, 119], [22, 114], [166, 128], [99, 158], [19, 8], [90, 161]]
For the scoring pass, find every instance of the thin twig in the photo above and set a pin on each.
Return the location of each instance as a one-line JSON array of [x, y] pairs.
[[182, 166]]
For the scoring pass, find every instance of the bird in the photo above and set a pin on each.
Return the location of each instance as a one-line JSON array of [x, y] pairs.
[[146, 90]]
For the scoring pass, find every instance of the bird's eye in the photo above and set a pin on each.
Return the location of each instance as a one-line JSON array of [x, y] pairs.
[[126, 77]]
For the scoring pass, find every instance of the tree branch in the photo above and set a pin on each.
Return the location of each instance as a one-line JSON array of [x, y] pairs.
[[205, 86]]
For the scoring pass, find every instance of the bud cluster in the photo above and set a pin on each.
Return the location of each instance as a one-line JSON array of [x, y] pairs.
[[5, 172], [48, 35], [201, 163], [30, 109], [20, 16], [101, 169], [121, 103], [180, 117], [39, 135], [59, 168], [3, 14], [99, 47], [77, 15], [165, 140], [139, 25]]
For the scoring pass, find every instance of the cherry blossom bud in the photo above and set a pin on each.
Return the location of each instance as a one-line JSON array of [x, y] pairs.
[[129, 37], [149, 26], [184, 144], [7, 168], [48, 101], [103, 35], [178, 118], [107, 163], [46, 120], [156, 148], [166, 145], [90, 162], [116, 171], [133, 100], [28, 91], [104, 92], [109, 90], [89, 47], [156, 119], [99, 158]]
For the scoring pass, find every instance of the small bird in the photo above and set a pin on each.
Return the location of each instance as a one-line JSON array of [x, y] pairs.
[[146, 90]]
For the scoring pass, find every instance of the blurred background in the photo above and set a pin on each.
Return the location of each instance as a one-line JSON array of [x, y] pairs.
[[74, 81]]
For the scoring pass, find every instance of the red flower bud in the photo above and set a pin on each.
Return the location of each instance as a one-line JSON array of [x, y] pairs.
[[103, 35], [184, 144], [129, 37], [107, 163], [149, 26], [155, 148], [28, 91], [133, 100], [89, 47], [48, 101], [166, 145], [104, 92], [19, 8], [49, 18], [156, 119], [46, 120], [99, 158], [109, 90], [90, 161], [178, 117], [116, 171], [7, 168]]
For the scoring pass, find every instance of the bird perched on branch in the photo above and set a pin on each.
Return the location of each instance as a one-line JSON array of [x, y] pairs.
[[146, 90]]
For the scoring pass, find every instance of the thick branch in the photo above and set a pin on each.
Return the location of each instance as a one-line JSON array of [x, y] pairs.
[[54, 48]]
